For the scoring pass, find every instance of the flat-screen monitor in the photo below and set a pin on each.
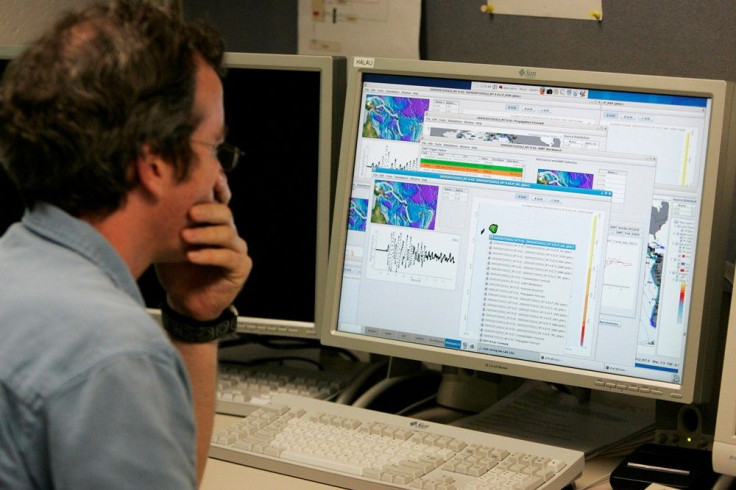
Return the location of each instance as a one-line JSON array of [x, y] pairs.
[[11, 205], [283, 111], [558, 225]]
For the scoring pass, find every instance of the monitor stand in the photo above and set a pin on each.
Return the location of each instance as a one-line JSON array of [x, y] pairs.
[[407, 386], [472, 391], [412, 388]]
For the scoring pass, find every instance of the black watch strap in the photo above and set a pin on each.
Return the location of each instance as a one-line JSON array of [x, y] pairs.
[[187, 329]]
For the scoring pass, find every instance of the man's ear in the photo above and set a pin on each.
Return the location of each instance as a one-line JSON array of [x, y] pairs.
[[154, 174]]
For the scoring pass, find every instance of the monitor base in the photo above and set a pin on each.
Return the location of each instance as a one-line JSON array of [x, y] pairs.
[[473, 391]]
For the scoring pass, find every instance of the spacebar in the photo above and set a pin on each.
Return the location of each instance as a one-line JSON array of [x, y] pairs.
[[328, 464]]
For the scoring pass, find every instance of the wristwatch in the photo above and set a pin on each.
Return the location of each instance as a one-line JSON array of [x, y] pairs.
[[186, 329]]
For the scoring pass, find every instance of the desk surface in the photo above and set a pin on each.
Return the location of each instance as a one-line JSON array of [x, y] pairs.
[[220, 475]]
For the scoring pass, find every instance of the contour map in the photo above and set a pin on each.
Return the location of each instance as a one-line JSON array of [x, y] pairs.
[[358, 214], [405, 204], [394, 118], [561, 178]]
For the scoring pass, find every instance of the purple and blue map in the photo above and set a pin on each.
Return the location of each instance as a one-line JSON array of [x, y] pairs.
[[405, 204], [562, 178], [394, 118]]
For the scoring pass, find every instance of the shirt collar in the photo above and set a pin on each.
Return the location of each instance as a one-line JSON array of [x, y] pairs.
[[56, 225]]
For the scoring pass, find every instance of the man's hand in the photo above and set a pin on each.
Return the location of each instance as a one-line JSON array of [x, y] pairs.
[[218, 262]]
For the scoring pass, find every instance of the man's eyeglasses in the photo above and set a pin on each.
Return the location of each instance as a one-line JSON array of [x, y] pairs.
[[227, 154]]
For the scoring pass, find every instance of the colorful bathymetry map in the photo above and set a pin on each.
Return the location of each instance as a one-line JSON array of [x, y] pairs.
[[561, 178], [358, 214], [405, 204], [394, 118]]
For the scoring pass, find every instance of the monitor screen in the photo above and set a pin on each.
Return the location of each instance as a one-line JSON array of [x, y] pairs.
[[11, 205], [558, 225], [279, 110], [10, 202]]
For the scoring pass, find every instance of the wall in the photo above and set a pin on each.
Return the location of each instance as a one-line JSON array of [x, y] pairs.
[[663, 37], [22, 21], [260, 26]]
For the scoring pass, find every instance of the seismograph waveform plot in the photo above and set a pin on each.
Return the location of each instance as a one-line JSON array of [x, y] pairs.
[[403, 254], [417, 257], [388, 155], [388, 160]]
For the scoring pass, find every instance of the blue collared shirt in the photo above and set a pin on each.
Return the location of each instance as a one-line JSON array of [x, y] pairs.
[[92, 393]]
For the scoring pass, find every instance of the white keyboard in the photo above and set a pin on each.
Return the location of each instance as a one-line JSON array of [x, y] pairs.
[[241, 389], [353, 447]]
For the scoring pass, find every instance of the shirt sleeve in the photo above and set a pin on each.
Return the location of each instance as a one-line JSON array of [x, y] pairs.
[[126, 424]]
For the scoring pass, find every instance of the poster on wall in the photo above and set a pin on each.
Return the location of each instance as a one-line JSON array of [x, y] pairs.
[[567, 9], [374, 28]]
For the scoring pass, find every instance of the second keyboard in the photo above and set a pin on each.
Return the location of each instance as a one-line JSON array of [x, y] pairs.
[[241, 389]]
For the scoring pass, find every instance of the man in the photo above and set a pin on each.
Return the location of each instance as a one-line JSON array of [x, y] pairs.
[[111, 126]]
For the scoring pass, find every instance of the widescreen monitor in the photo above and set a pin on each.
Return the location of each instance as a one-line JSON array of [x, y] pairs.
[[281, 111], [558, 225]]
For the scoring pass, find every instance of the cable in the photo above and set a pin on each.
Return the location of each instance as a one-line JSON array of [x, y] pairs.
[[599, 481], [416, 404], [344, 352]]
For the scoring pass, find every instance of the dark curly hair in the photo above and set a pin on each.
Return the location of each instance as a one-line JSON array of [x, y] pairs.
[[77, 107]]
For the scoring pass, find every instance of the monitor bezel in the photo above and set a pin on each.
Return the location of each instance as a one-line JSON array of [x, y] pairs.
[[332, 80], [329, 90], [713, 229], [10, 51]]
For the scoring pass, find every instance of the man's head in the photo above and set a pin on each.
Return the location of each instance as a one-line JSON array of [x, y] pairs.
[[81, 105]]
